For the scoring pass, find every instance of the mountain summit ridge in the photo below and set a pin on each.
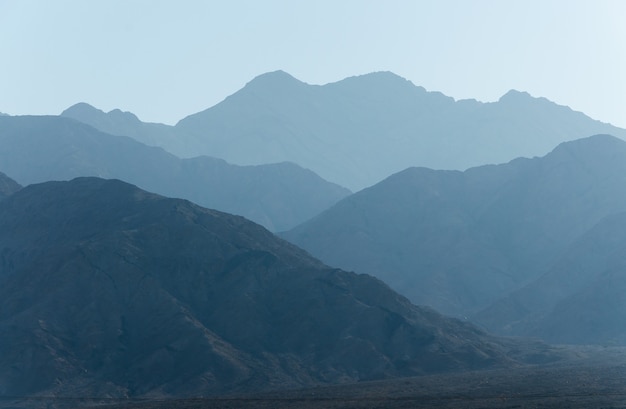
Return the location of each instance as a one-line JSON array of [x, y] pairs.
[[361, 129], [357, 131]]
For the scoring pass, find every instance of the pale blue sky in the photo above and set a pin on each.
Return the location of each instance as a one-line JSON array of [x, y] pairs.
[[164, 60]]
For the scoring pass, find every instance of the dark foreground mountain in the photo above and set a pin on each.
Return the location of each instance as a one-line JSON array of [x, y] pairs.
[[458, 241], [7, 186], [106, 290], [35, 149], [580, 300]]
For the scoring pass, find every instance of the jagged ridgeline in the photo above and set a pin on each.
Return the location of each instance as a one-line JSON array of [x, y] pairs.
[[360, 130]]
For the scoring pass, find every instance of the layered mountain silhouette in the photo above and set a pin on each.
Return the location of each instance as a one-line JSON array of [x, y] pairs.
[[108, 290], [360, 130], [581, 298], [458, 241], [35, 149], [7, 186]]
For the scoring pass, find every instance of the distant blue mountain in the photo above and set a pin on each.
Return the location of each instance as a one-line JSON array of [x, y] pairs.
[[117, 122], [360, 130]]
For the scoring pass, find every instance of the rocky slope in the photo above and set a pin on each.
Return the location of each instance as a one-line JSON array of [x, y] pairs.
[[106, 290]]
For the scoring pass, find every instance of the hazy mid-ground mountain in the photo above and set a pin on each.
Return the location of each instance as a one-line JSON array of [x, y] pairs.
[[117, 122], [107, 290], [7, 186], [360, 130], [279, 196], [580, 300], [458, 241]]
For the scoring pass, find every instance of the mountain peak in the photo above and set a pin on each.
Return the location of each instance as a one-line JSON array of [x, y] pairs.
[[81, 108], [376, 80], [97, 118], [118, 113], [595, 146], [514, 95], [272, 79], [381, 76]]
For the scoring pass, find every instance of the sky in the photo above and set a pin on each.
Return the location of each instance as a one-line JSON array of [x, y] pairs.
[[164, 60]]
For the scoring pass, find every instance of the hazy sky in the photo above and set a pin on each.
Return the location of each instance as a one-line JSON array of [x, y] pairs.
[[163, 60]]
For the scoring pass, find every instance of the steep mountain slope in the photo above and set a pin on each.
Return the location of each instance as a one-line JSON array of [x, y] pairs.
[[458, 241], [581, 298], [7, 186], [357, 131], [279, 196], [107, 290]]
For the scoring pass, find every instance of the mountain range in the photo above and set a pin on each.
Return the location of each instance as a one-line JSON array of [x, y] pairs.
[[460, 241], [35, 149], [360, 130], [109, 291]]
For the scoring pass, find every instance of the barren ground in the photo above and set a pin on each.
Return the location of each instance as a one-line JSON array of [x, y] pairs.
[[595, 378]]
